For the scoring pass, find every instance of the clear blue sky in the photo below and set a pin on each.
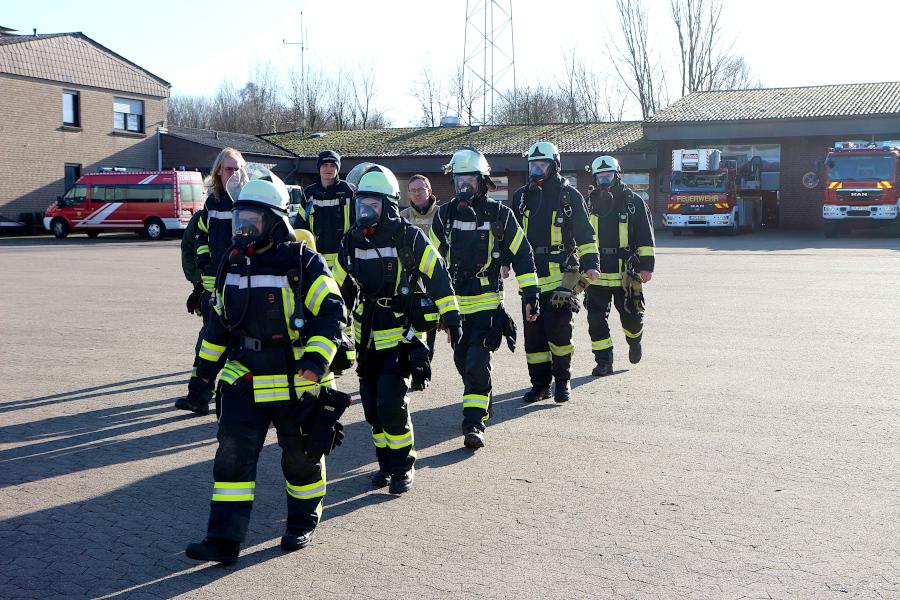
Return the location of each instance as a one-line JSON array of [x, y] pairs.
[[194, 45]]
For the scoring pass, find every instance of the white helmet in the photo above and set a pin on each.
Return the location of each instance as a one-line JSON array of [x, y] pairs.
[[261, 205], [602, 164]]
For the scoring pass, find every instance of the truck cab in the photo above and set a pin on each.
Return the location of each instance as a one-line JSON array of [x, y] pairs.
[[860, 185]]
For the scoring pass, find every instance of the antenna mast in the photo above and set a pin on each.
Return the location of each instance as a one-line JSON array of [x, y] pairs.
[[489, 60], [303, 46]]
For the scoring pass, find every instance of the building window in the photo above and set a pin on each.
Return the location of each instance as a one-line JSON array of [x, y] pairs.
[[71, 108], [128, 115], [72, 174]]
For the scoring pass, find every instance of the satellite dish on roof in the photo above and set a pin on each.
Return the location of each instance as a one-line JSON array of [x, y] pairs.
[[357, 172]]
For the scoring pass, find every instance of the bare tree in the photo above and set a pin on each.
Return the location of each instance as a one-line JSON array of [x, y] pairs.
[[634, 62], [530, 106], [429, 94], [706, 62]]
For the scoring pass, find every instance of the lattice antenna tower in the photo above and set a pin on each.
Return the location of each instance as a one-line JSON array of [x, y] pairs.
[[489, 59], [304, 46]]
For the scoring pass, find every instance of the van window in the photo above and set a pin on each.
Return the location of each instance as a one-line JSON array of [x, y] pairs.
[[75, 196], [132, 193]]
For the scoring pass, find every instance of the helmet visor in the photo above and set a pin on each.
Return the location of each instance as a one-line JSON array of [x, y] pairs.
[[235, 183], [249, 224], [604, 179], [368, 210], [539, 169], [465, 184]]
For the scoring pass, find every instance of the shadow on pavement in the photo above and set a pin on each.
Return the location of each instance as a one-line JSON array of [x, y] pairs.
[[130, 541]]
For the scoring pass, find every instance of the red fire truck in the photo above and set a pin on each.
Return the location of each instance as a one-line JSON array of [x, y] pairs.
[[861, 182], [709, 193], [149, 202]]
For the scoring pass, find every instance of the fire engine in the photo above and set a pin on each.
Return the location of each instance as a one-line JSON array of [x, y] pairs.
[[708, 192], [861, 182], [149, 202]]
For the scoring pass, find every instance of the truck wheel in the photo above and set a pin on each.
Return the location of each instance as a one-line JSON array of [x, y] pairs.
[[154, 229], [60, 228], [93, 234], [831, 229]]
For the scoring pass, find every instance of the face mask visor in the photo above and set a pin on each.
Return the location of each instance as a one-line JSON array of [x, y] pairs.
[[604, 180], [249, 226], [368, 211], [465, 185], [538, 170]]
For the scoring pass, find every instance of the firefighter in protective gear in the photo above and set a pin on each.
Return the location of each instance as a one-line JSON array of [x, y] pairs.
[[329, 207], [478, 235], [555, 220], [211, 242], [621, 221], [384, 255], [279, 318]]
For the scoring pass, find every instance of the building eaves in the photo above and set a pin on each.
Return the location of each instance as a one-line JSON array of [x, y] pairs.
[[244, 143]]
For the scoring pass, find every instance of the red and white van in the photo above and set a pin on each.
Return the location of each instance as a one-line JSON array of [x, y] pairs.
[[149, 202]]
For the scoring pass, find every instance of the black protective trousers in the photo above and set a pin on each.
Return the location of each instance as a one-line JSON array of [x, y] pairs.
[[384, 377], [243, 425], [597, 302], [473, 361], [548, 344]]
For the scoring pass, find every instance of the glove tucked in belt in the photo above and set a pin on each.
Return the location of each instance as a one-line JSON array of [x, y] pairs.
[[564, 298]]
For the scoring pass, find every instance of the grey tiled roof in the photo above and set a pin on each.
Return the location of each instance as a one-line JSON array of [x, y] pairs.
[[76, 59], [242, 142], [857, 99], [490, 139]]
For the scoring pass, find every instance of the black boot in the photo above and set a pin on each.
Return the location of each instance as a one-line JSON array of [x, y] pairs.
[[295, 541], [473, 439], [215, 550], [537, 392], [562, 391], [380, 478], [634, 352], [200, 406], [401, 482], [602, 369]]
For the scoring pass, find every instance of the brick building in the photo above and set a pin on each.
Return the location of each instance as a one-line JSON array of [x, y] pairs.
[[69, 105], [410, 150], [788, 128]]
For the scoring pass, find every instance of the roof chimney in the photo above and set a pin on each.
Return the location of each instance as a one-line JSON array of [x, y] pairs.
[[35, 31], [450, 121]]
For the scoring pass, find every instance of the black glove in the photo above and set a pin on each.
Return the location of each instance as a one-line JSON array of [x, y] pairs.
[[419, 364], [338, 435], [456, 333], [193, 301], [197, 389], [323, 432]]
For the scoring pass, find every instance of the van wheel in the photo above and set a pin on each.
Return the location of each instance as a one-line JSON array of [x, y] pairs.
[[60, 228], [93, 234], [154, 229]]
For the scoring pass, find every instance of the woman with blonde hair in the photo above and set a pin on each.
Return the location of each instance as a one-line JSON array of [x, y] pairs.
[[212, 243]]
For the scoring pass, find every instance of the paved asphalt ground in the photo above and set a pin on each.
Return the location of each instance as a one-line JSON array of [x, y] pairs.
[[754, 453]]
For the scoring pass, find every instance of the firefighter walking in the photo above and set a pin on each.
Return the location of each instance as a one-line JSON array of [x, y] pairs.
[[555, 220], [624, 231], [478, 235], [384, 255], [279, 316]]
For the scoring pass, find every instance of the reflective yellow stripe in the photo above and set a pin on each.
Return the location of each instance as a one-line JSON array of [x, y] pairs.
[[601, 344], [434, 238], [318, 291], [476, 401], [589, 248], [479, 302], [561, 350], [204, 227], [646, 251], [555, 231], [428, 261], [202, 249], [387, 338], [211, 352], [209, 282], [340, 275], [516, 241], [535, 358], [322, 346], [232, 371], [379, 440], [447, 304], [595, 224], [305, 492], [527, 280], [274, 388], [395, 442], [233, 491], [628, 334]]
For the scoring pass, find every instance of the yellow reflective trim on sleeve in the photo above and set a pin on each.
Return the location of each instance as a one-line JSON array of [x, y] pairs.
[[589, 248], [321, 287], [447, 304], [517, 241], [340, 274], [211, 352], [646, 251], [202, 249], [233, 491], [527, 280], [322, 346], [204, 227], [209, 282], [428, 261], [433, 238]]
